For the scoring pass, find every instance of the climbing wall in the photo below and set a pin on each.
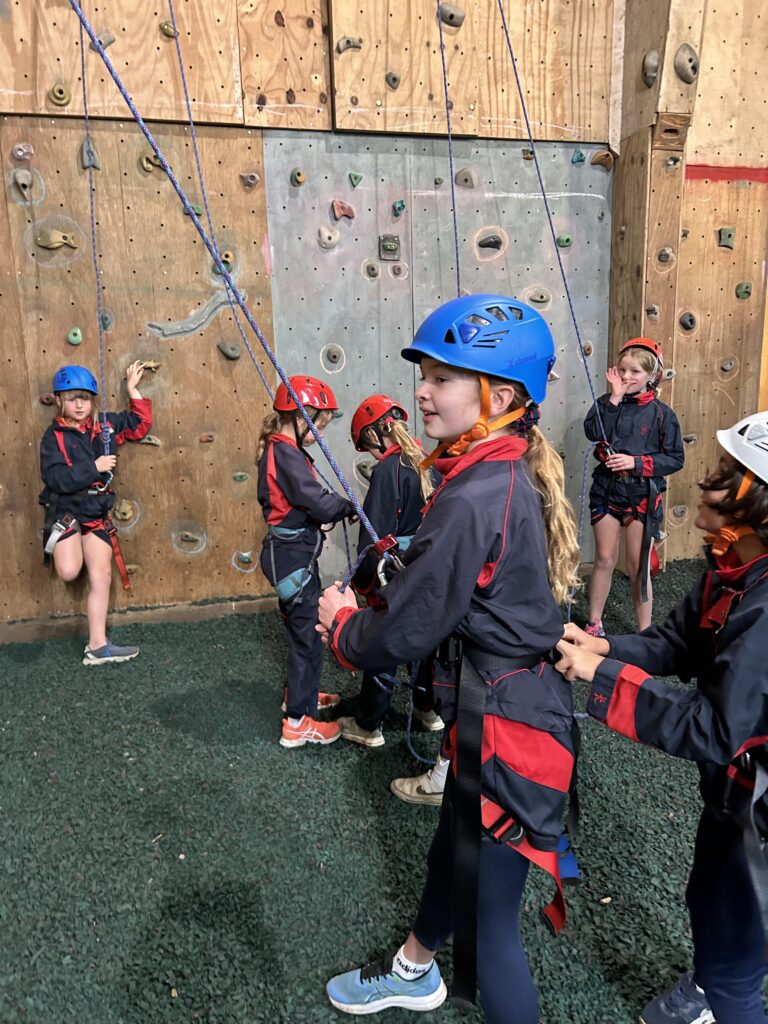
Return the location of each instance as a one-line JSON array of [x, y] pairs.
[[188, 504], [351, 283]]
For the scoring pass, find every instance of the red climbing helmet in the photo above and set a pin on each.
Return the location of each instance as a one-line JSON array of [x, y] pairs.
[[311, 391], [375, 409], [650, 346]]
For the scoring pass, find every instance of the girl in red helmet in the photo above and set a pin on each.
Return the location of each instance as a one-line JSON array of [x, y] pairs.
[[641, 446], [295, 505], [397, 492]]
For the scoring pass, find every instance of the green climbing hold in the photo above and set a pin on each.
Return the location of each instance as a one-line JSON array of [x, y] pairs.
[[398, 207], [438, 181], [564, 241], [355, 179], [743, 290], [75, 336], [196, 207], [578, 157], [240, 477], [106, 321], [227, 266]]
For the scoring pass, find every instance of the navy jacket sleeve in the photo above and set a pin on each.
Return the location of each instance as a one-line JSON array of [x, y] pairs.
[[303, 490], [670, 456], [609, 414], [57, 475]]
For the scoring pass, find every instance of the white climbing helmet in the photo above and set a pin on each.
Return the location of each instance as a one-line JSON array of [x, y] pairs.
[[747, 442]]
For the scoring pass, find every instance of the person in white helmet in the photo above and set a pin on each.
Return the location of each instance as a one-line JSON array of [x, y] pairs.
[[716, 636]]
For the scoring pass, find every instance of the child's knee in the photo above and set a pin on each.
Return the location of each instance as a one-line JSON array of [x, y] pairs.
[[606, 559], [68, 573]]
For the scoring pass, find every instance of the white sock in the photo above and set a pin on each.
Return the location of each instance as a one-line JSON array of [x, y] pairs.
[[407, 969], [440, 771], [295, 722]]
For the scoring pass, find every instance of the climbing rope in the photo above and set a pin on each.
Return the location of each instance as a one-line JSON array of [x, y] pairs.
[[216, 256], [450, 151]]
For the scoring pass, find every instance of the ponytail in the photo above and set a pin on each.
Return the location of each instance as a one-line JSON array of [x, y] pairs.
[[410, 454], [269, 425]]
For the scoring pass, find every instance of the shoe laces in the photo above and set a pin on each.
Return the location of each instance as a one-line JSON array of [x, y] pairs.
[[377, 969]]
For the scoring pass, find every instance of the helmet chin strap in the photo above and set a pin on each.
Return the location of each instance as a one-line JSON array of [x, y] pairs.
[[727, 536], [482, 428], [296, 417]]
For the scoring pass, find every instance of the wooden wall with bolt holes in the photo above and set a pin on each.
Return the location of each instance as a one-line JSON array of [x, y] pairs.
[[155, 270], [717, 363], [564, 55]]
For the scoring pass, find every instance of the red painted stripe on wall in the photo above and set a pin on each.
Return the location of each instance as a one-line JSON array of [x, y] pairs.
[[695, 172]]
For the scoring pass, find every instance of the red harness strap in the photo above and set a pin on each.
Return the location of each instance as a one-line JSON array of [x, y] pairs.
[[110, 529]]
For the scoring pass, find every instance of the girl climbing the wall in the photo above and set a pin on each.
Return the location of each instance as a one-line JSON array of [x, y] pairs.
[[397, 491], [78, 497], [295, 506], [716, 636], [641, 446], [495, 554]]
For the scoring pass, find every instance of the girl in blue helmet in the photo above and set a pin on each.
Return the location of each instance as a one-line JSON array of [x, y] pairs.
[[494, 556], [78, 498]]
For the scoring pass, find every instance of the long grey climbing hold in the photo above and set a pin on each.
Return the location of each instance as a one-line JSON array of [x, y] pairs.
[[89, 157], [490, 241], [650, 70], [687, 64], [465, 178], [104, 39], [230, 350], [348, 43], [197, 321], [392, 79], [22, 179], [452, 15]]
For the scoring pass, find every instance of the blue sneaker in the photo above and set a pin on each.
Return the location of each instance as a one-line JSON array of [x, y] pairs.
[[570, 872], [109, 653], [376, 987], [684, 1004]]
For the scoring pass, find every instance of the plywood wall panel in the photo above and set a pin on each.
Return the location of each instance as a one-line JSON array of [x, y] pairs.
[[285, 63], [645, 34], [155, 271], [685, 27]]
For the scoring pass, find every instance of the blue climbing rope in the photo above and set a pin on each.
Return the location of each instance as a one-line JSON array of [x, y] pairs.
[[450, 151], [226, 277]]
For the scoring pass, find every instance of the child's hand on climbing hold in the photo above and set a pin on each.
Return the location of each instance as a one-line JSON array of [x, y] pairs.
[[329, 606], [616, 384], [133, 375]]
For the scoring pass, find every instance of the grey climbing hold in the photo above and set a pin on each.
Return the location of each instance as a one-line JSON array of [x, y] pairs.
[[539, 297], [552, 377], [577, 157], [328, 238], [728, 365], [88, 156], [490, 241], [465, 178], [650, 67], [150, 439], [104, 40], [438, 182], [726, 237], [679, 511], [687, 321], [349, 43], [106, 320], [687, 64], [229, 349], [665, 255], [452, 15], [297, 177], [240, 477], [250, 179], [564, 241], [246, 557], [668, 374], [355, 178], [673, 161], [743, 290], [527, 154], [75, 336], [690, 438], [22, 179], [398, 207], [392, 79], [197, 320], [684, 232], [365, 468], [187, 537], [371, 269], [22, 151], [389, 247], [652, 312], [333, 355], [55, 240]]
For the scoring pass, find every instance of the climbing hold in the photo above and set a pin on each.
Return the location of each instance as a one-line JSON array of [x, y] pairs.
[[438, 182], [246, 557], [240, 477], [150, 439], [297, 177], [196, 207], [652, 312], [131, 569], [552, 376], [166, 27], [687, 64], [465, 178], [75, 336], [187, 537], [88, 156], [527, 154], [397, 270], [743, 290], [59, 94], [348, 43], [684, 232], [328, 238], [151, 364], [104, 40], [728, 365], [687, 321], [22, 151], [250, 179], [106, 321], [539, 297], [333, 354], [341, 209], [206, 438], [227, 261], [665, 255], [673, 161], [355, 179], [149, 159], [280, 19], [47, 399], [452, 15], [55, 240], [650, 67], [365, 468], [290, 96], [690, 438], [371, 269], [22, 179], [398, 207], [725, 237], [490, 241], [668, 374], [578, 157], [389, 247], [603, 158], [587, 348], [564, 241], [229, 349], [124, 510], [392, 79], [679, 511]]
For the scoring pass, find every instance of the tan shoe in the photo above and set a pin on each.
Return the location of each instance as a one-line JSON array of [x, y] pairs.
[[430, 721], [423, 789], [351, 731]]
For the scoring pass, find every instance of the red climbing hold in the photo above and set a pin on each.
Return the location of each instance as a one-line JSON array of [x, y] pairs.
[[341, 209]]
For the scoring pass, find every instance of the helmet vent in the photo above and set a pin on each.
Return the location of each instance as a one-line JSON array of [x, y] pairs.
[[475, 318], [449, 338]]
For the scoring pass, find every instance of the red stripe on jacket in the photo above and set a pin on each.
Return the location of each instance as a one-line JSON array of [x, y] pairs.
[[531, 753], [621, 710]]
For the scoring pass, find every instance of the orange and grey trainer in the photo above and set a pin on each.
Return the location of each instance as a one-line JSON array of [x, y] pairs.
[[324, 701], [309, 731]]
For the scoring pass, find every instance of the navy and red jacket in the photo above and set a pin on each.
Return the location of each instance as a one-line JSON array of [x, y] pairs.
[[394, 505], [289, 491], [717, 636], [641, 426], [477, 569], [68, 460]]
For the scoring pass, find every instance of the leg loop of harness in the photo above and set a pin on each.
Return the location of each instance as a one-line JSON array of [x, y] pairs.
[[111, 531], [289, 589]]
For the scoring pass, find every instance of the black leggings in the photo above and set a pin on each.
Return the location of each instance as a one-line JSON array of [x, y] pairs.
[[507, 992]]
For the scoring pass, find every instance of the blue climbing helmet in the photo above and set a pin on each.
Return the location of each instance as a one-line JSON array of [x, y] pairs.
[[75, 378], [493, 335]]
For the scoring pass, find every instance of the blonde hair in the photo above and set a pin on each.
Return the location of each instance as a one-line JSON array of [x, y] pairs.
[[269, 425], [411, 454], [548, 475]]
